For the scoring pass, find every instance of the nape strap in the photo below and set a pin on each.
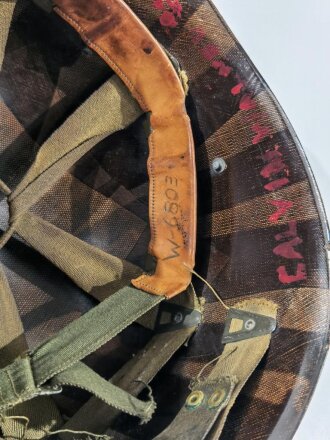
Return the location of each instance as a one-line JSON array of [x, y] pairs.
[[56, 362]]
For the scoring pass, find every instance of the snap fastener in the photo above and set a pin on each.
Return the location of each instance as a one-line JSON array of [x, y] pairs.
[[217, 398], [250, 324], [195, 399]]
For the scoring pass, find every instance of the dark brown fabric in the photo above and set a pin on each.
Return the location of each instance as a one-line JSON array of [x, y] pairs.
[[47, 72]]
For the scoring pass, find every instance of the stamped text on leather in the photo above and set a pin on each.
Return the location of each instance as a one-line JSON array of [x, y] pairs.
[[111, 29]]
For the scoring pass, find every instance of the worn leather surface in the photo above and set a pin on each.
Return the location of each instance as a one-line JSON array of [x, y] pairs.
[[117, 35]]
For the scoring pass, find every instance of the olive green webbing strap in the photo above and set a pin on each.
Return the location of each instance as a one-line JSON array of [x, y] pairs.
[[140, 370], [211, 399], [57, 361], [109, 109], [43, 411], [85, 128], [12, 340], [95, 271], [13, 344]]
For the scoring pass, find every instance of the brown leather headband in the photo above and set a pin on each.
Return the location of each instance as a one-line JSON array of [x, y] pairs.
[[111, 29]]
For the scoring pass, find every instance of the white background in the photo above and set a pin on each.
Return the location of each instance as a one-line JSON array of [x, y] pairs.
[[288, 41]]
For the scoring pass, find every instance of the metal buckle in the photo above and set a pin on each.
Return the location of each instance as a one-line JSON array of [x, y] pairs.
[[252, 326], [174, 317]]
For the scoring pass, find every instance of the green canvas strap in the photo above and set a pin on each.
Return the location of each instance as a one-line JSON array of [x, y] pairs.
[[95, 271], [42, 413], [140, 370], [56, 362], [12, 345], [143, 367], [85, 128], [81, 131], [81, 376], [210, 400]]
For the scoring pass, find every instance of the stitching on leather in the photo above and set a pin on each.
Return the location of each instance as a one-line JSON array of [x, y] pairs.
[[152, 192], [115, 66], [149, 286]]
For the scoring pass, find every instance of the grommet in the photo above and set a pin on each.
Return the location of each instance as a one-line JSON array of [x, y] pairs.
[[218, 165], [178, 317], [250, 324], [195, 399], [217, 398]]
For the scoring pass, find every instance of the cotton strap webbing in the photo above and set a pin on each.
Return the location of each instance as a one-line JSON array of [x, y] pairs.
[[140, 370], [85, 128], [95, 271], [57, 361], [42, 411], [207, 406], [12, 345]]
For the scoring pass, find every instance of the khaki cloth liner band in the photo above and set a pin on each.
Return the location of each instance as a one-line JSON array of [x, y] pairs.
[[144, 67], [81, 131], [43, 411], [211, 399]]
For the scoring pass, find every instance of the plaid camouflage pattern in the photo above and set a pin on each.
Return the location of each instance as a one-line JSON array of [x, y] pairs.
[[261, 227]]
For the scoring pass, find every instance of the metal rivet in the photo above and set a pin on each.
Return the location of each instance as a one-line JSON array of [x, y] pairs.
[[216, 399], [218, 165], [178, 317], [250, 324], [195, 399]]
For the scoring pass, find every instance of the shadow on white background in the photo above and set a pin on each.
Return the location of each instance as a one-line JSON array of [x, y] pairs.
[[288, 41]]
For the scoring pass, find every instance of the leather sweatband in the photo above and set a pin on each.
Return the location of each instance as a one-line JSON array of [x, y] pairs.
[[112, 30]]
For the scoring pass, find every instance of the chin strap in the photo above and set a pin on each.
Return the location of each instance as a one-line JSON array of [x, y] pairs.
[[56, 363]]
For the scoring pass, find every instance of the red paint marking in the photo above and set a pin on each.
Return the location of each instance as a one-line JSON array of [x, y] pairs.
[[247, 103], [176, 7], [271, 154], [282, 207], [291, 232], [300, 274], [158, 4], [167, 19], [277, 184], [210, 51], [261, 133], [222, 68], [236, 90], [171, 10], [274, 167], [287, 250]]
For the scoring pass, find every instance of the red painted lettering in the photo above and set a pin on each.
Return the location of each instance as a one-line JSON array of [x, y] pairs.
[[285, 278], [282, 207], [287, 250]]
